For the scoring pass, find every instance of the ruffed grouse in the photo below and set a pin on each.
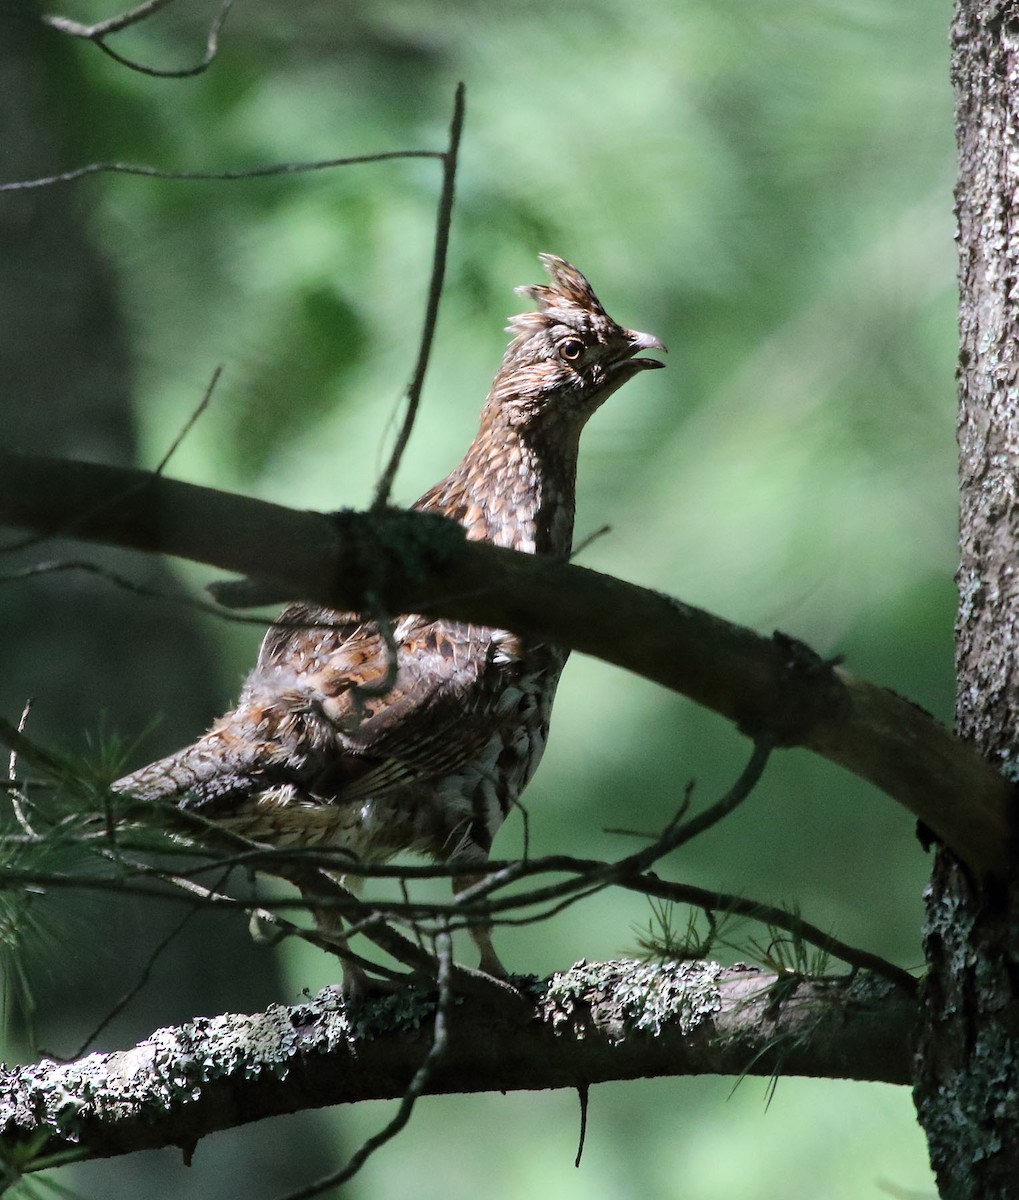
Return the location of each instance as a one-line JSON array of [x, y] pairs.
[[433, 763]]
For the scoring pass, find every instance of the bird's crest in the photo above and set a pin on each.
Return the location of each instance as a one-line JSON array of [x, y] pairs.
[[568, 300]]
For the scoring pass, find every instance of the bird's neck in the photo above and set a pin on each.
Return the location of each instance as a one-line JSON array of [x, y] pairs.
[[514, 487]]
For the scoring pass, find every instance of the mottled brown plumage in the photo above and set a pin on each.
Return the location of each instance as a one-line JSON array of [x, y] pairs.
[[318, 751]]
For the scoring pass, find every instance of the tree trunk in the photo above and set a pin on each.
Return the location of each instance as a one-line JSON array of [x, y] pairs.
[[967, 1070]]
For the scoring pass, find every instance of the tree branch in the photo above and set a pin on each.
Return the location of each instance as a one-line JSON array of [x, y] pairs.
[[443, 221], [98, 33], [110, 25], [595, 1022], [774, 688]]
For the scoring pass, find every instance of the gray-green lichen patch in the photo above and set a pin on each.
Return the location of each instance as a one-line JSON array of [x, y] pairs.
[[629, 995], [170, 1068]]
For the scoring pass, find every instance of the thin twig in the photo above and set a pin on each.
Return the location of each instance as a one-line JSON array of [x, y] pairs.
[[416, 1087], [525, 818], [769, 914], [647, 885], [292, 168], [211, 50], [180, 599], [590, 875], [323, 885], [97, 34], [583, 1094], [367, 920], [193, 824], [216, 897], [189, 424], [703, 821], [581, 892], [284, 927], [448, 158], [110, 25], [18, 798], [35, 755], [584, 542], [128, 585], [362, 692], [443, 221], [675, 835]]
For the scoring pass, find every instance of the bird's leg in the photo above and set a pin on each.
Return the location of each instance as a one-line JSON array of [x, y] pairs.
[[266, 929], [356, 983], [481, 932], [329, 925]]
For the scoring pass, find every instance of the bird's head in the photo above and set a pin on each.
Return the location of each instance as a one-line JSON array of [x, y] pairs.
[[568, 357]]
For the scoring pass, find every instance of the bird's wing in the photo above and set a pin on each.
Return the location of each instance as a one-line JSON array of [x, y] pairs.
[[304, 633], [380, 707]]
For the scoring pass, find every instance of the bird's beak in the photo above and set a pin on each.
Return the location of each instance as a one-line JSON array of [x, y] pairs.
[[642, 341]]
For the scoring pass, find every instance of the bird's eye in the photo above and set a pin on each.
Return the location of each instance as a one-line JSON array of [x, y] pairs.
[[571, 349]]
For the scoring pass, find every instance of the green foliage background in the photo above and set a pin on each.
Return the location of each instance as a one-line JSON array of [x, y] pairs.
[[767, 187]]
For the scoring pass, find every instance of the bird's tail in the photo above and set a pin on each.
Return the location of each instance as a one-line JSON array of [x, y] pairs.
[[215, 766]]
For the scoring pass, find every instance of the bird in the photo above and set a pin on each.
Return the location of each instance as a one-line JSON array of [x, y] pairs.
[[418, 735]]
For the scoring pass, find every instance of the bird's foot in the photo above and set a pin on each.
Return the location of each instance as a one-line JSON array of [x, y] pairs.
[[357, 985], [497, 989], [265, 928]]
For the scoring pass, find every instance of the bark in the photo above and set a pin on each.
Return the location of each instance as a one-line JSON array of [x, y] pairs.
[[595, 1022], [967, 1073], [415, 562]]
